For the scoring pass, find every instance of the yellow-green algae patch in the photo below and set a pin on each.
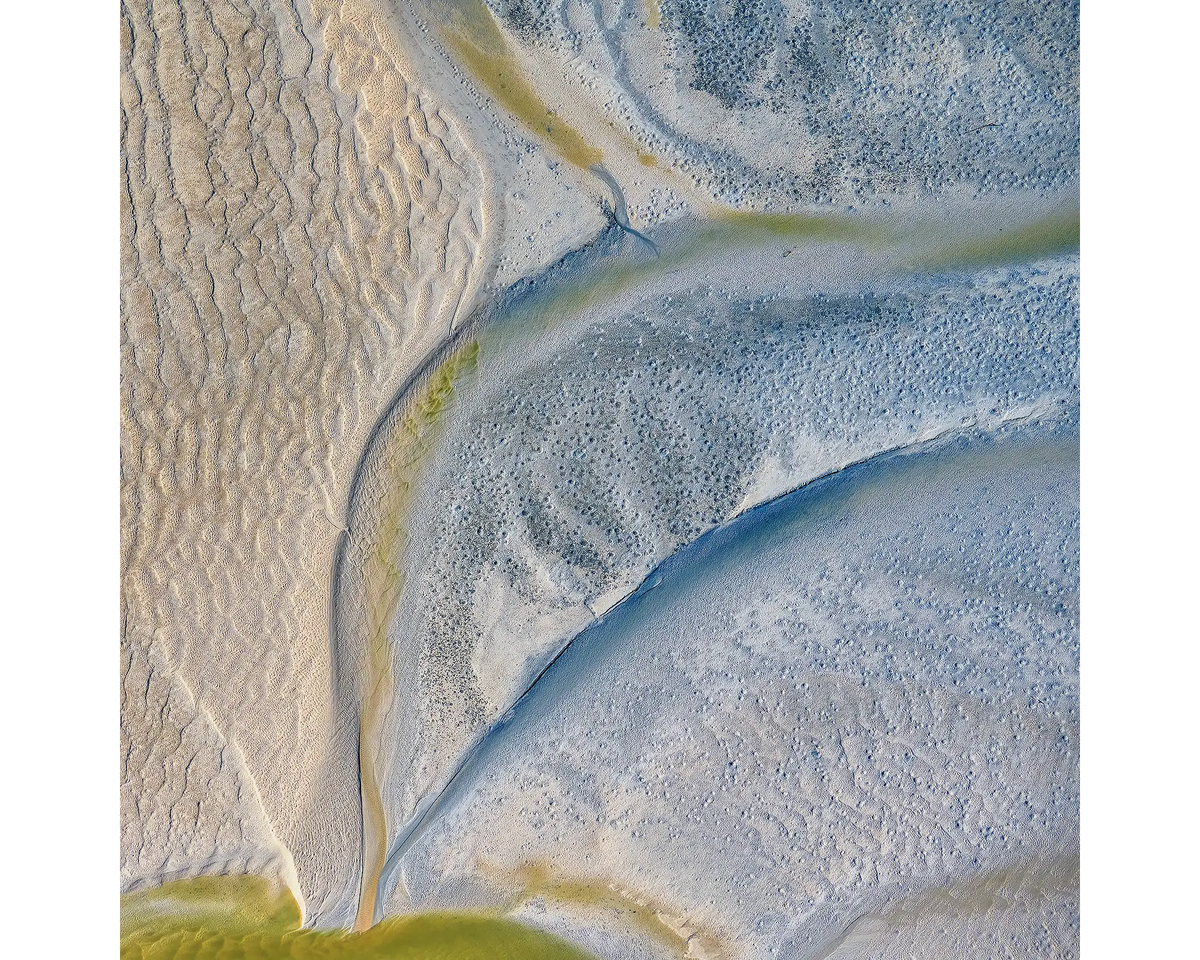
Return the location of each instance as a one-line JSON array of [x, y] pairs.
[[247, 918], [235, 904], [476, 40], [1052, 234], [383, 580]]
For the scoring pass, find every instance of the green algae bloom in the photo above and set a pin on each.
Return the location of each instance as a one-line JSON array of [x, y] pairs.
[[246, 918]]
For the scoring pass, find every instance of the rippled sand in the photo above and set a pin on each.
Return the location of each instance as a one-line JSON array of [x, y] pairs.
[[301, 221], [445, 323]]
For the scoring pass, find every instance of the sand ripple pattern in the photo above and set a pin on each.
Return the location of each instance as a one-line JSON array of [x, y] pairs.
[[300, 223], [184, 782]]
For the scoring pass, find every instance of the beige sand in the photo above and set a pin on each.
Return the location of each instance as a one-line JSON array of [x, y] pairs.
[[300, 223]]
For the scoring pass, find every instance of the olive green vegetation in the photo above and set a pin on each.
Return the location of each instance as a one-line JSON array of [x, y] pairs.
[[1049, 235], [476, 40], [402, 458], [232, 918]]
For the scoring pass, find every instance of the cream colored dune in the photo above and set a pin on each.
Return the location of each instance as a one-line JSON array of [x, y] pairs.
[[301, 221]]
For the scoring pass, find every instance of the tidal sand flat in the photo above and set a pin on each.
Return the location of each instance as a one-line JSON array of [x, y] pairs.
[[804, 714], [599, 478]]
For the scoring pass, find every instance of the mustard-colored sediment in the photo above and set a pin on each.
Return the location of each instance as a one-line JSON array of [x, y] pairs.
[[653, 14], [1050, 878], [383, 581], [476, 40], [748, 224], [1055, 233], [248, 918]]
